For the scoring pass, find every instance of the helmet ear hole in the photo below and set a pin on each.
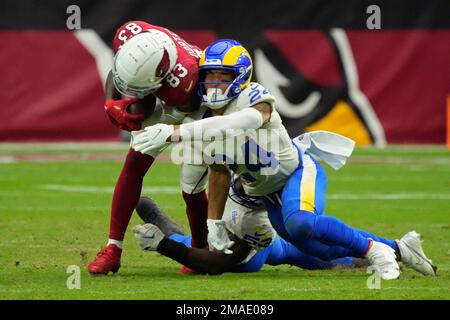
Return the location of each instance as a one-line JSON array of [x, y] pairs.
[[235, 89]]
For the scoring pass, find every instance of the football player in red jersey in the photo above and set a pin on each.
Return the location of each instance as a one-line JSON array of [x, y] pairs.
[[157, 67]]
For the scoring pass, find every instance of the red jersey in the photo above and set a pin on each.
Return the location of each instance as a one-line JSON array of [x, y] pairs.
[[180, 86]]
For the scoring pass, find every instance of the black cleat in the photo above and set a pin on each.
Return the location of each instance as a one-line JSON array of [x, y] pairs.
[[149, 211]]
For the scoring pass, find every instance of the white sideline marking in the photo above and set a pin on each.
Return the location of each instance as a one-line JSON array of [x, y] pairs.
[[64, 146], [90, 189], [7, 159], [384, 179], [177, 190]]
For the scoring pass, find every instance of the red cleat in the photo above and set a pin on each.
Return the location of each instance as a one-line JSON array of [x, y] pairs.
[[108, 259], [186, 270]]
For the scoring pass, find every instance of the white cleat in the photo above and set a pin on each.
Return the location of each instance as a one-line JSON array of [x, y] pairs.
[[382, 257], [412, 254]]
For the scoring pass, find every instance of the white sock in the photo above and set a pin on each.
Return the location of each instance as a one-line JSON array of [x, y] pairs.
[[116, 242]]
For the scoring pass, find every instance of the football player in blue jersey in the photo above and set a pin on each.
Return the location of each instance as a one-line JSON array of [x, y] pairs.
[[289, 180], [255, 241]]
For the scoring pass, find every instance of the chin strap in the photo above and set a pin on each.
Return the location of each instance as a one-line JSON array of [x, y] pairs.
[[215, 99]]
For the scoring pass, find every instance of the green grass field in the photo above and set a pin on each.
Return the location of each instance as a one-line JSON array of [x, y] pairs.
[[54, 212]]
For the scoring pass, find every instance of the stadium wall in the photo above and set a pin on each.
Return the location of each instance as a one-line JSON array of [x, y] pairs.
[[326, 68]]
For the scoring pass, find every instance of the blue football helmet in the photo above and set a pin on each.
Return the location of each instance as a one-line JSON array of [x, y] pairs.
[[224, 55]]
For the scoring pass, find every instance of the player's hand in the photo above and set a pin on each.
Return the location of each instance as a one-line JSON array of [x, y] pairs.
[[149, 236], [152, 137], [218, 236], [118, 115]]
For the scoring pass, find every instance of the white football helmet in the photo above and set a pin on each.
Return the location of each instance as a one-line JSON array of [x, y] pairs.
[[143, 62], [248, 219]]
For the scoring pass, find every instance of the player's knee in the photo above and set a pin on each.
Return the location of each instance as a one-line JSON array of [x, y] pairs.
[[300, 225], [192, 188], [193, 178]]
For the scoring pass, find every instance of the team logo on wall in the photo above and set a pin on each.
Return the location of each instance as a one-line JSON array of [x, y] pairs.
[[315, 80]]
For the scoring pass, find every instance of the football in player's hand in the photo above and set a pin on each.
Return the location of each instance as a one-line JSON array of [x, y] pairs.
[[144, 106]]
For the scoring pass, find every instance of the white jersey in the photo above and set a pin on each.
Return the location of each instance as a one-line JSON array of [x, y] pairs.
[[264, 158], [249, 223], [161, 114], [192, 176]]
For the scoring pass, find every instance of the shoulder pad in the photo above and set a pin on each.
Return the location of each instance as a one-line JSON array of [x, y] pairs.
[[254, 94]]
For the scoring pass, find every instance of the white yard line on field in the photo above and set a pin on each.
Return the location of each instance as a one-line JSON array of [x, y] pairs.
[[94, 189], [390, 178], [33, 147], [391, 196], [7, 159], [335, 196]]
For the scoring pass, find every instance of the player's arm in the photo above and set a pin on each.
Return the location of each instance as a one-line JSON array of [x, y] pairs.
[[153, 137], [265, 109], [116, 107], [203, 260], [247, 119], [219, 184], [151, 238]]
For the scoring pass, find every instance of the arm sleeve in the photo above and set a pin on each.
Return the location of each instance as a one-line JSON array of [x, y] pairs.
[[203, 260], [230, 125]]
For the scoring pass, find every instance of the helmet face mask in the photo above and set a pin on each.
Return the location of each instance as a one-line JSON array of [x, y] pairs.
[[143, 62], [128, 90], [226, 55], [214, 97]]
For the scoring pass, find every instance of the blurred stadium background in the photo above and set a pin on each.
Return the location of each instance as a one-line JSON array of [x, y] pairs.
[[326, 68], [382, 88]]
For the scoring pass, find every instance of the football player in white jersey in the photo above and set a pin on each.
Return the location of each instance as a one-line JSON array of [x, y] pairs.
[[290, 182], [247, 223]]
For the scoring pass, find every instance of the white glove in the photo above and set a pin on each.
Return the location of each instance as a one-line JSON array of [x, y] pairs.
[[148, 235], [218, 236], [152, 137]]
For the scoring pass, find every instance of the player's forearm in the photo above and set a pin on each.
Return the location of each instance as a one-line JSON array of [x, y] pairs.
[[219, 184], [202, 260], [233, 124]]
